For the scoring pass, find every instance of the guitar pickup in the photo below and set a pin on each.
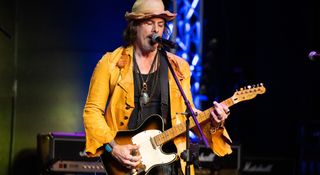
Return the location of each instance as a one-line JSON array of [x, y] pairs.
[[153, 143]]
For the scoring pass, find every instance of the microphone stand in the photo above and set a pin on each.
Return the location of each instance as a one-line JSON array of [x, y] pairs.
[[187, 155], [13, 102], [7, 34]]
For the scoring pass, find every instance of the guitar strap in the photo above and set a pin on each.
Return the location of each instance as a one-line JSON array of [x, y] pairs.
[[164, 88]]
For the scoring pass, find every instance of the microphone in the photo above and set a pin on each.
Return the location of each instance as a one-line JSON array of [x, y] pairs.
[[167, 43], [313, 55]]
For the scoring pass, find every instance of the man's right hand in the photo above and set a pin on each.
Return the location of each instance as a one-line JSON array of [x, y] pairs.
[[127, 155]]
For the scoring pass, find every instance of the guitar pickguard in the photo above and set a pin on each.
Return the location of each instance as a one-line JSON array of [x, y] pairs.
[[151, 155]]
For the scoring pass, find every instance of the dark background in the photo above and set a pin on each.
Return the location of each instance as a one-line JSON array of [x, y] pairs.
[[251, 42], [49, 48]]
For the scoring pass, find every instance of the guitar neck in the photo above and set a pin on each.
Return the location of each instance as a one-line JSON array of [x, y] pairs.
[[181, 128]]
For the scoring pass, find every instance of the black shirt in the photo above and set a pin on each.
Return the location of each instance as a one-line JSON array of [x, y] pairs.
[[141, 112]]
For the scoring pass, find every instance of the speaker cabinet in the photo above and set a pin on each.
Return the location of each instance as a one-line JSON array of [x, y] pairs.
[[211, 164], [309, 148], [267, 166], [64, 152]]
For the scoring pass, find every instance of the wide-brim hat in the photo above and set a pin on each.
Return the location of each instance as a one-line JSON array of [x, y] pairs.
[[144, 9]]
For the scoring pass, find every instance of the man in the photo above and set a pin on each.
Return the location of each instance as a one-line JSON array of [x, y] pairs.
[[133, 82]]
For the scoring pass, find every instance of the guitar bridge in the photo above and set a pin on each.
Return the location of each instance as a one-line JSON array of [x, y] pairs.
[[137, 171]]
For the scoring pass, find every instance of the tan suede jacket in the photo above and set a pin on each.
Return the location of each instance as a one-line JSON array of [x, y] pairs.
[[110, 102]]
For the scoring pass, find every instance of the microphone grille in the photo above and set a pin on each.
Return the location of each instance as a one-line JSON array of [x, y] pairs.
[[154, 37], [312, 54]]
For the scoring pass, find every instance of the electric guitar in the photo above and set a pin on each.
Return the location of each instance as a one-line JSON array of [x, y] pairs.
[[150, 138]]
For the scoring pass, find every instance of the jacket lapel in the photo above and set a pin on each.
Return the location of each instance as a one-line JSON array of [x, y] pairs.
[[126, 79]]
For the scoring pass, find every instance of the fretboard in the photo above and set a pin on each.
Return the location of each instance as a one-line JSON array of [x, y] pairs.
[[181, 128]]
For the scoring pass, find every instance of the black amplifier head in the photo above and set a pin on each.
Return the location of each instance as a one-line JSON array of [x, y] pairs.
[[61, 146]]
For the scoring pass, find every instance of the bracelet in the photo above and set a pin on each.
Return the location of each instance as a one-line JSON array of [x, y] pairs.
[[108, 148], [214, 129]]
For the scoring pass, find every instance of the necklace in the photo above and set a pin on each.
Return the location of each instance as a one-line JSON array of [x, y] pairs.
[[144, 96]]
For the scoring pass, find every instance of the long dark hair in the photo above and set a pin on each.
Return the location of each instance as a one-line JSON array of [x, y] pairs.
[[130, 32]]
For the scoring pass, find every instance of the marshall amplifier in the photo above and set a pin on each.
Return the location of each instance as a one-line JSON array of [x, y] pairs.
[[62, 152], [309, 148], [267, 166], [210, 164]]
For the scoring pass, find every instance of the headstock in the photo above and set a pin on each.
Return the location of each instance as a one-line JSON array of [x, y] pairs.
[[248, 92]]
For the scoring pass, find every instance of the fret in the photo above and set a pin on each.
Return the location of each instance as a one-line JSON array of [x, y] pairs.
[[181, 128], [156, 140], [167, 136], [229, 102]]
